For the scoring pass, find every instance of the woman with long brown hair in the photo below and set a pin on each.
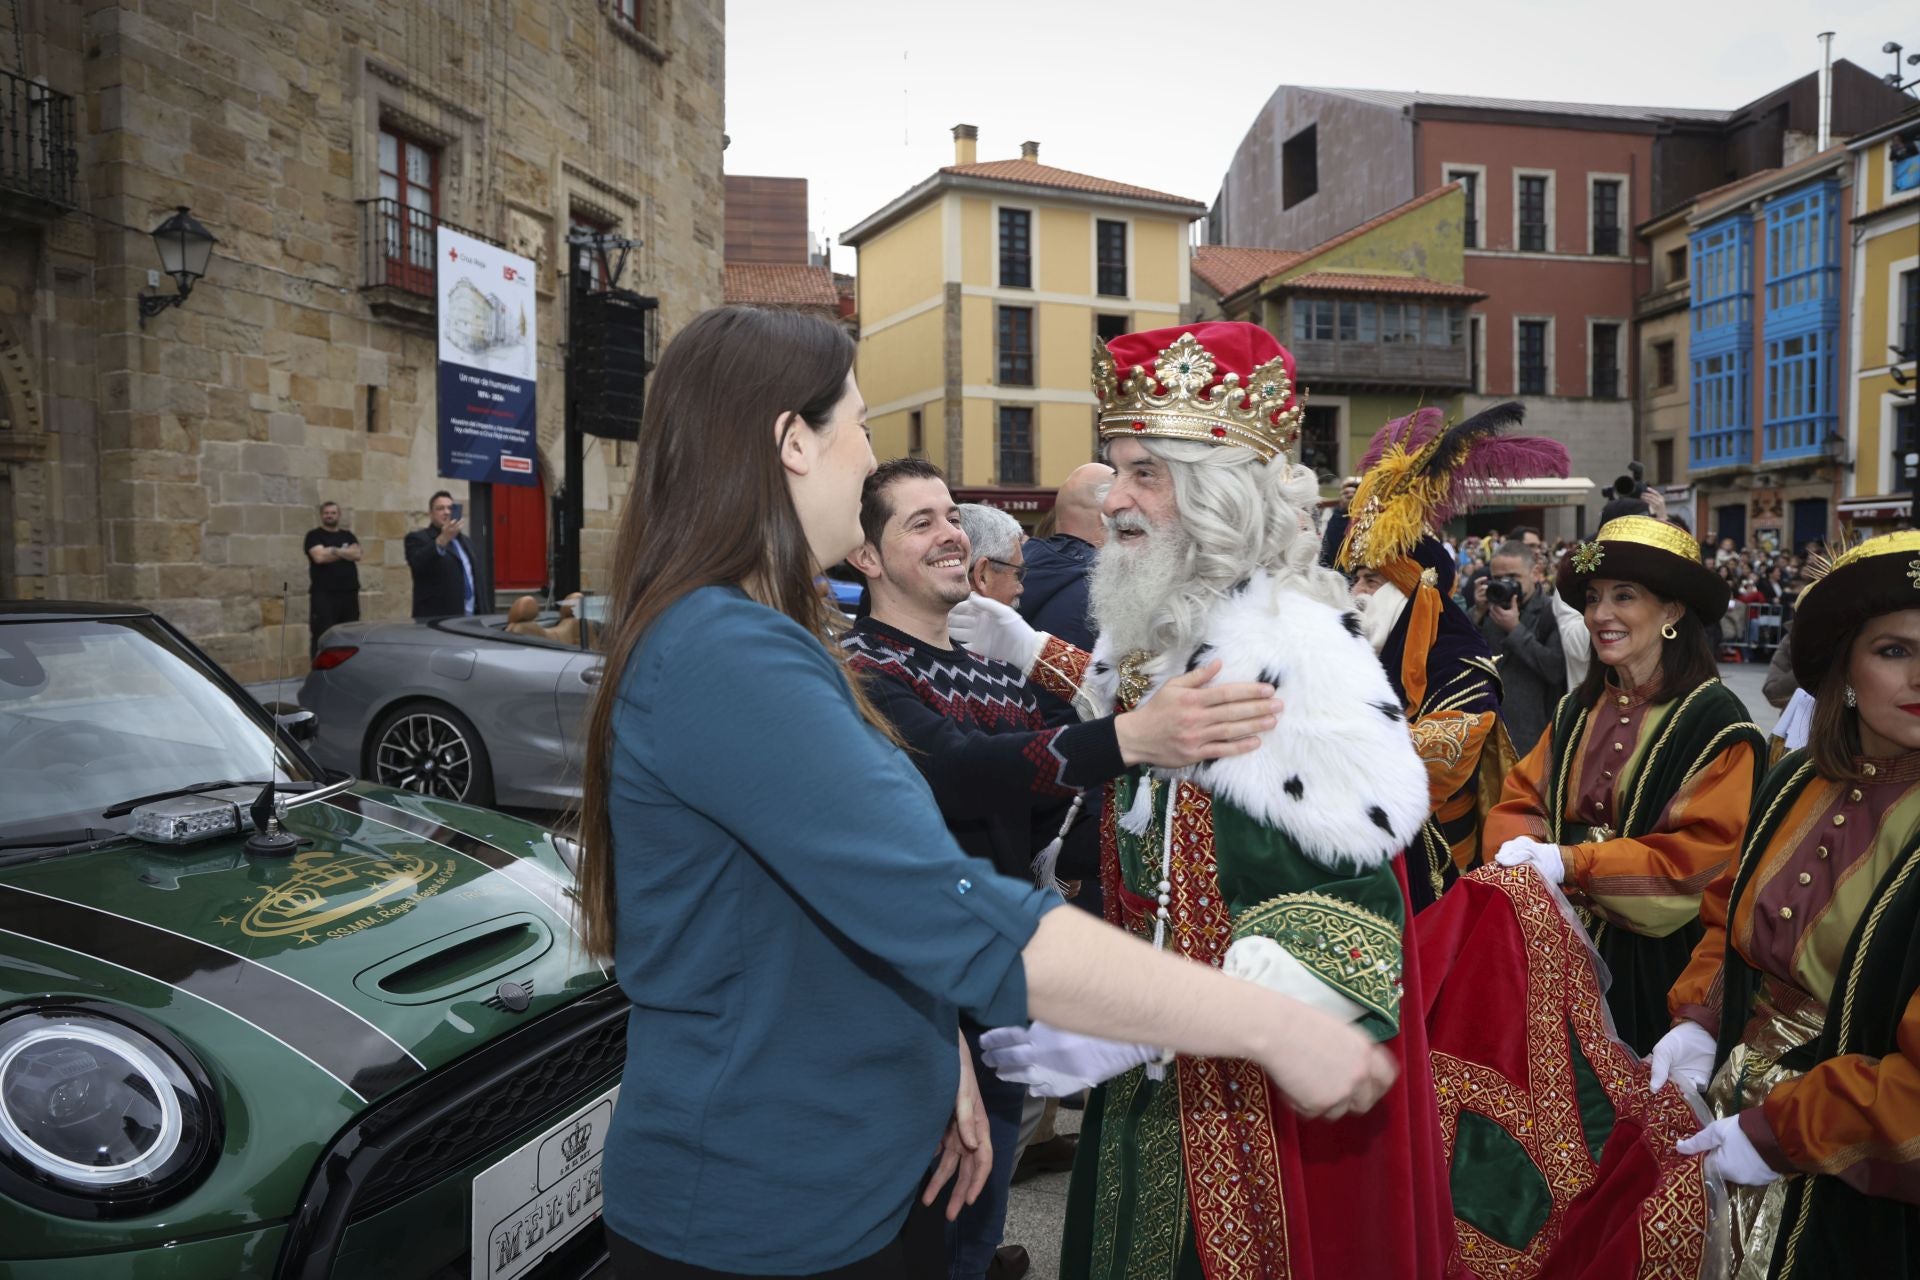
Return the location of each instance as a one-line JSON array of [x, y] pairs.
[[1637, 795], [1805, 991], [784, 906]]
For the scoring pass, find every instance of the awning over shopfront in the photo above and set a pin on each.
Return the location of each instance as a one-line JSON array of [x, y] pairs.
[[1018, 501], [1874, 507], [1574, 491]]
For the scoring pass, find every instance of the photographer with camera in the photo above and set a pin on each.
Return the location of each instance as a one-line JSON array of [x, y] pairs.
[[1513, 607]]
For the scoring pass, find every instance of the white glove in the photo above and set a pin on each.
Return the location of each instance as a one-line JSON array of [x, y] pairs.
[[1266, 963], [1730, 1153], [993, 630], [1684, 1053], [1544, 858], [1056, 1064]]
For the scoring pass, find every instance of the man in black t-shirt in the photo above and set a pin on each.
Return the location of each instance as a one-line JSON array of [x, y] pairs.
[[333, 576]]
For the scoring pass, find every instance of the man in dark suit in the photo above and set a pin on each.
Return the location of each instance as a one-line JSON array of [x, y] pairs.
[[442, 563]]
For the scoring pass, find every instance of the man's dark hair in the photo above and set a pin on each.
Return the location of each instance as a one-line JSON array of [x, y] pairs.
[[438, 494], [1514, 549], [1519, 533], [328, 503], [875, 510]]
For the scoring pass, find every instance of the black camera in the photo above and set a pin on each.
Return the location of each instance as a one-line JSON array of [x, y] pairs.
[[1632, 485], [1502, 591]]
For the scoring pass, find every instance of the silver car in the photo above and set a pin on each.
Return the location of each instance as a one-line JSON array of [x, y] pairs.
[[459, 708]]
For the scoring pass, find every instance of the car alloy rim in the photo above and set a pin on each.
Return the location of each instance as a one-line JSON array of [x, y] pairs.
[[426, 753]]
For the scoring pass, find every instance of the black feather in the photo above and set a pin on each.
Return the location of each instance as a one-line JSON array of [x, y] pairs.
[[1462, 436]]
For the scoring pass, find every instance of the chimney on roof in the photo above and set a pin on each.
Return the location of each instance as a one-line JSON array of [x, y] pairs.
[[965, 139], [1030, 151]]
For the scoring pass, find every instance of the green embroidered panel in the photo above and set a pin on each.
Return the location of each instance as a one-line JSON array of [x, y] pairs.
[[1596, 1109], [1497, 1188]]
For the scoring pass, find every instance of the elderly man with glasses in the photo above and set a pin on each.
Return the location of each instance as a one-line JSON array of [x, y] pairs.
[[996, 568]]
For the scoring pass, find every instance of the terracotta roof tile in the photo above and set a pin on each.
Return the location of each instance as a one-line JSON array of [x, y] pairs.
[[1227, 269], [1031, 173], [1398, 286], [780, 284]]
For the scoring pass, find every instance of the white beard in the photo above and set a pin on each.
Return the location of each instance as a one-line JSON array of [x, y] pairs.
[[1131, 584], [1378, 612]]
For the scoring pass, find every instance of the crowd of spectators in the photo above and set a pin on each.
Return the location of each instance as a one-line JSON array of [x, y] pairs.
[[1762, 582]]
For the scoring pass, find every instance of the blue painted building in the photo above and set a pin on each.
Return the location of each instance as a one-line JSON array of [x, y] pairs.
[[1766, 452]]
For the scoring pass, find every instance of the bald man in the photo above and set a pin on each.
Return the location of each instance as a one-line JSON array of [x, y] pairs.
[[1055, 598]]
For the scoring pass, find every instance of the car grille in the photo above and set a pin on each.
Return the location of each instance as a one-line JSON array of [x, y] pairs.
[[431, 1129], [483, 1122]]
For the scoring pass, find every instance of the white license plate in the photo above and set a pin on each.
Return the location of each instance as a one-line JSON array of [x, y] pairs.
[[535, 1200]]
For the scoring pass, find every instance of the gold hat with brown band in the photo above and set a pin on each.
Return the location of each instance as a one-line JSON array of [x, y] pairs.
[[1881, 575], [1659, 556]]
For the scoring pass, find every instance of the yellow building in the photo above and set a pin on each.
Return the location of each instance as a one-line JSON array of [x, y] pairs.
[[1660, 326], [980, 293], [1885, 322]]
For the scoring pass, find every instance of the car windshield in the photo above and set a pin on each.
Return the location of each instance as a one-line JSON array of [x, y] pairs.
[[94, 712]]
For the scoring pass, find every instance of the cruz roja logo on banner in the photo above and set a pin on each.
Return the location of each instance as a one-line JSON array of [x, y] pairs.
[[489, 362]]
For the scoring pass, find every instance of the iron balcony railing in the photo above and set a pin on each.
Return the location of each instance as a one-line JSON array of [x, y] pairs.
[[397, 247], [37, 154]]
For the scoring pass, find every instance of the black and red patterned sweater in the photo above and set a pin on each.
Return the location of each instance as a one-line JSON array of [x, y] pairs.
[[1003, 776]]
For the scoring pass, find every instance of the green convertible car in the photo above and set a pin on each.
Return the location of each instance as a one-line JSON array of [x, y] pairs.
[[310, 1030]]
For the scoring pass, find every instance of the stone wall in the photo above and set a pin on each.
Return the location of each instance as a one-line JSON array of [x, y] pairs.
[[179, 465]]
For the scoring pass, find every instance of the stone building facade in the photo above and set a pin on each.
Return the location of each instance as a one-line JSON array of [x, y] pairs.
[[178, 464]]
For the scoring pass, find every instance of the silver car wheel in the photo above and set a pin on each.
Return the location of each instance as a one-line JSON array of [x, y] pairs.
[[425, 752]]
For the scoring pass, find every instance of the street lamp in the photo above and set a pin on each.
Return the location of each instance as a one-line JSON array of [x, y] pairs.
[[184, 246]]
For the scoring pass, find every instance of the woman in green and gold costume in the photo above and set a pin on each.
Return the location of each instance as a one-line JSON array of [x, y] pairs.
[[1805, 990], [1637, 797]]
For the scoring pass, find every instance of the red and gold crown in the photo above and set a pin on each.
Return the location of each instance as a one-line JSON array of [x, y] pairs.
[[1221, 382]]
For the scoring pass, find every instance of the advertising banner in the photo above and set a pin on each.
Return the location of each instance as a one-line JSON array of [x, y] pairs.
[[488, 362]]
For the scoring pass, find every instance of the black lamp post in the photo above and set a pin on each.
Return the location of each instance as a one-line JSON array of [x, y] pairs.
[[185, 247]]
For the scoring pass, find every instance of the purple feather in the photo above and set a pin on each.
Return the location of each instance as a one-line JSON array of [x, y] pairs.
[[1470, 455]]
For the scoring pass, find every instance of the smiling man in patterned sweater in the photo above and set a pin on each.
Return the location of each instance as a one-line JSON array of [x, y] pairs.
[[1006, 781]]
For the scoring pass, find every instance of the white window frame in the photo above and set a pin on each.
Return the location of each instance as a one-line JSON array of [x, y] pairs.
[[1552, 211], [1625, 214], [1033, 246], [1552, 380], [1894, 271], [1342, 442], [1620, 355], [1479, 196], [1093, 255]]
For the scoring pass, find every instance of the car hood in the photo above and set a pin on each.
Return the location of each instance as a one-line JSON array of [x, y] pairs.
[[402, 933]]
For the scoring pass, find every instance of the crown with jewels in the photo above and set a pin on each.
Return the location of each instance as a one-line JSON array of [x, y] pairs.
[[1186, 396]]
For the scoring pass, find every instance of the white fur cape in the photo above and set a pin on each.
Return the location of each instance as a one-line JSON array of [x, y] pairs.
[[1338, 774]]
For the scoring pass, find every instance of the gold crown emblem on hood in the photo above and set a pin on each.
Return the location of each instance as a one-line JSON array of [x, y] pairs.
[[1179, 400]]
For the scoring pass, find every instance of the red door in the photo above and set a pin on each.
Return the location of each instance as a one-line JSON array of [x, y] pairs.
[[520, 536]]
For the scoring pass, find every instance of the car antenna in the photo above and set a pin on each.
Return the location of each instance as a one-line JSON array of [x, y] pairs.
[[269, 838]]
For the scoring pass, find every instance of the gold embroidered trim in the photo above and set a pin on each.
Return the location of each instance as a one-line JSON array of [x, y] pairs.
[[1443, 738], [1348, 947]]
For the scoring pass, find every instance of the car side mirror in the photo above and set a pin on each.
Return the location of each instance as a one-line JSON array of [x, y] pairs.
[[294, 720]]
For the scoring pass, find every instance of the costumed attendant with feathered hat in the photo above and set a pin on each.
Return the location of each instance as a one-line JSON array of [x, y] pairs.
[[1805, 991], [1637, 796], [1420, 473]]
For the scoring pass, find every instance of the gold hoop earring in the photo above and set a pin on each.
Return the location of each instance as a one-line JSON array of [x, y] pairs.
[[1666, 629]]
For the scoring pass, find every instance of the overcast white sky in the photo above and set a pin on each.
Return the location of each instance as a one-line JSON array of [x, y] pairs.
[[858, 96]]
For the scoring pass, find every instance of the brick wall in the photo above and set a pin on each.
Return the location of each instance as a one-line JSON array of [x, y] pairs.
[[179, 465]]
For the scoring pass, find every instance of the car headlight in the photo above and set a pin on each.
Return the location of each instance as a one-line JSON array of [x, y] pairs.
[[569, 850], [97, 1117]]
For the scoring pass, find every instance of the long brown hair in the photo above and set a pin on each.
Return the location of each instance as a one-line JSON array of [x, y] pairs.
[[1686, 661], [709, 505], [1834, 736]]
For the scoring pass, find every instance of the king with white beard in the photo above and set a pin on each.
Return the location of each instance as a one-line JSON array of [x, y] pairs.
[[1281, 864]]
